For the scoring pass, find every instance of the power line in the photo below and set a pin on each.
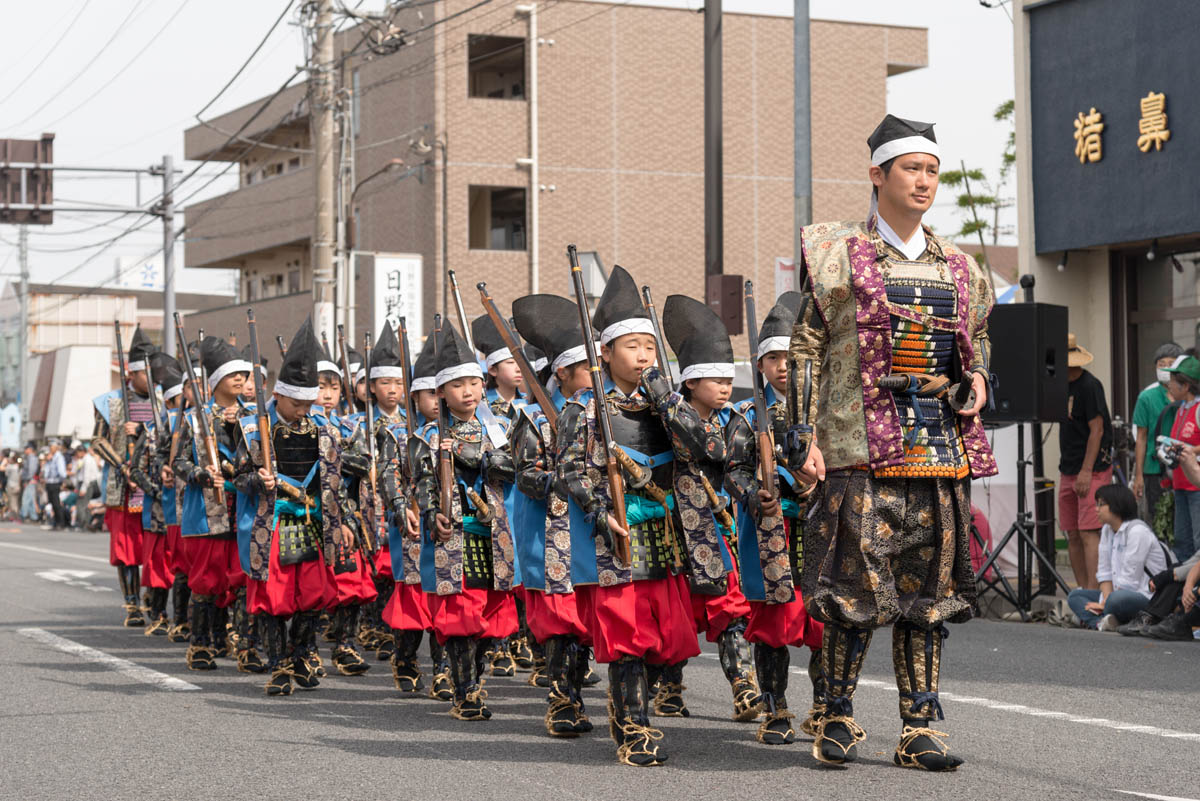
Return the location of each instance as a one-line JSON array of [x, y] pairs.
[[250, 58], [86, 67], [49, 52], [429, 65], [414, 69], [234, 137], [105, 245], [207, 159], [85, 229], [93, 95]]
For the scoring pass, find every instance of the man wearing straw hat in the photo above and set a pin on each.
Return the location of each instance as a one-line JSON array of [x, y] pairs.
[[1085, 463]]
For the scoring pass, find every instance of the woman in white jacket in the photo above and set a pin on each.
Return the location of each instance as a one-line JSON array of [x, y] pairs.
[[1129, 555]]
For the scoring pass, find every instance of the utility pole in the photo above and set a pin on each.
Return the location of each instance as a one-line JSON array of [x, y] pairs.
[[714, 200], [23, 335], [345, 205], [167, 209], [321, 104], [531, 93], [802, 122]]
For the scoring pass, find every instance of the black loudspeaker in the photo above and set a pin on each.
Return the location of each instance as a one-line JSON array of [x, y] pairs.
[[1029, 360]]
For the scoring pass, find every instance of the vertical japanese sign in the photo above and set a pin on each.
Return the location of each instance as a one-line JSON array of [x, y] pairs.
[[398, 278]]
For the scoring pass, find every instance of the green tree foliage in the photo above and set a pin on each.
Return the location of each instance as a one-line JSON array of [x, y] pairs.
[[981, 198]]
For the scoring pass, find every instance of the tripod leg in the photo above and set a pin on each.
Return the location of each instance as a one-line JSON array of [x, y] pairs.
[[1008, 593]]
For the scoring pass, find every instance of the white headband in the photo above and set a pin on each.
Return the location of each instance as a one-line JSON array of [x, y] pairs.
[[539, 364], [773, 343], [424, 382], [634, 325], [469, 370], [497, 356], [386, 371], [135, 367], [324, 366], [172, 392], [902, 147], [359, 375], [569, 357], [294, 392], [355, 367], [228, 368], [707, 370]]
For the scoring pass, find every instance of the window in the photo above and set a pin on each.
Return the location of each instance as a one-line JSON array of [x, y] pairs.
[[496, 66], [293, 281], [272, 285], [251, 286], [497, 220], [293, 164]]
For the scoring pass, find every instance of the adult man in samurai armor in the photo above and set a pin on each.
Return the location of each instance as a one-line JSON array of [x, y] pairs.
[[894, 346]]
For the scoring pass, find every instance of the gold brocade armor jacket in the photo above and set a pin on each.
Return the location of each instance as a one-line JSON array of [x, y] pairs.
[[848, 334]]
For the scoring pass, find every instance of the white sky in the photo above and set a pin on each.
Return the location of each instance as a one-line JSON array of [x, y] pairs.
[[125, 80]]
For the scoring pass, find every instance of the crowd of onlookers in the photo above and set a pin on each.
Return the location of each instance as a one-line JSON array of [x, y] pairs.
[[52, 486], [1134, 549]]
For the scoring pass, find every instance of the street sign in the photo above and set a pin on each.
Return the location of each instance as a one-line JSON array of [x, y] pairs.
[[26, 183]]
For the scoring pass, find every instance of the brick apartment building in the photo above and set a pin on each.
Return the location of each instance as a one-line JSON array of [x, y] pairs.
[[619, 93]]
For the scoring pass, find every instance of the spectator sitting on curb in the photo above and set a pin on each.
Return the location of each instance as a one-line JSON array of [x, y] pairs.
[[1173, 611], [1129, 555]]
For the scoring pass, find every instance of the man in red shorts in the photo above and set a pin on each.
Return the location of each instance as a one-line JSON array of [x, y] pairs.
[[1085, 464]]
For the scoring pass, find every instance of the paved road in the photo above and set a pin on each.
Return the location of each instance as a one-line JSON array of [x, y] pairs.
[[1037, 713]]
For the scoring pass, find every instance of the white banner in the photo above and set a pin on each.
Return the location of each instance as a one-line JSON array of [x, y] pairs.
[[398, 284], [785, 276]]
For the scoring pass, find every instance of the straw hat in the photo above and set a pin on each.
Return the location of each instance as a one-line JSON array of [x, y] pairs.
[[1077, 355]]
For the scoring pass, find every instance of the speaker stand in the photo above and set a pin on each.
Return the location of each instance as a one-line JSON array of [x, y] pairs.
[[1022, 528]]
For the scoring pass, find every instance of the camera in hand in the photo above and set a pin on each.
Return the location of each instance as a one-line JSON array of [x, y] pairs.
[[1169, 451]]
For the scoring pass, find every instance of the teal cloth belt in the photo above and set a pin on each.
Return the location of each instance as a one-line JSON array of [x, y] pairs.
[[790, 508], [727, 533], [286, 506], [642, 510], [472, 526]]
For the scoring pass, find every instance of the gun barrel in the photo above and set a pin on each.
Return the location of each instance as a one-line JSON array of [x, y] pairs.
[[664, 366], [201, 417], [510, 341], [264, 420], [762, 424], [616, 484]]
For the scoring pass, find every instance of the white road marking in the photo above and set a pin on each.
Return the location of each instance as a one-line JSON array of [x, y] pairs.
[[1021, 709], [123, 666], [1155, 797], [52, 552], [72, 578]]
